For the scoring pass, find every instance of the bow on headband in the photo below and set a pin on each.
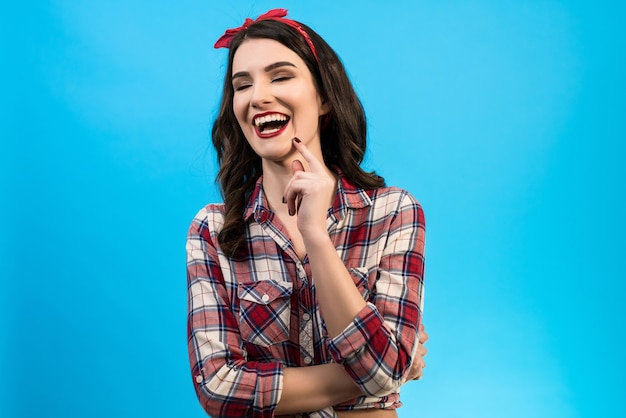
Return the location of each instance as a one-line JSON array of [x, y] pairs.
[[274, 14]]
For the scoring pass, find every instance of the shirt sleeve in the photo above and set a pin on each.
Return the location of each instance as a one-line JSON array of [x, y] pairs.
[[226, 383], [377, 348]]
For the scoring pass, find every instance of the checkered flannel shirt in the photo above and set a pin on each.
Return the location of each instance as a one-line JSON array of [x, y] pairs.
[[250, 318]]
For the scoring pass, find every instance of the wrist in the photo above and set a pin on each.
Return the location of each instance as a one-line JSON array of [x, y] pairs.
[[315, 238]]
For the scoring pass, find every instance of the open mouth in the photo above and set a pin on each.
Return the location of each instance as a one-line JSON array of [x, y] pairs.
[[270, 123]]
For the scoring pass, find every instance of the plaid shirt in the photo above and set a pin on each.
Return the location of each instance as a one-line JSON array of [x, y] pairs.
[[250, 318]]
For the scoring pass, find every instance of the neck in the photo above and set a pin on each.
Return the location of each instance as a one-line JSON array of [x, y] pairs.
[[275, 179]]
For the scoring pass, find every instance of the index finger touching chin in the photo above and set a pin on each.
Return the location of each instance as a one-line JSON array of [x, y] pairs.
[[311, 159]]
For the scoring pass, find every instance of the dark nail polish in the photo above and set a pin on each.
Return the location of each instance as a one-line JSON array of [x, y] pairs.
[[297, 140], [284, 200], [290, 212]]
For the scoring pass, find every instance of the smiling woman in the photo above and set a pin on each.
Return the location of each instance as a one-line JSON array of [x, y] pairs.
[[273, 93], [306, 284], [267, 124]]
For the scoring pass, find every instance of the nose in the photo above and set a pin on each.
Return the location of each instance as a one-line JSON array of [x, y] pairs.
[[261, 95]]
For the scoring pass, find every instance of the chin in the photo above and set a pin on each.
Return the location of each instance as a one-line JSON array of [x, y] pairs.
[[275, 155]]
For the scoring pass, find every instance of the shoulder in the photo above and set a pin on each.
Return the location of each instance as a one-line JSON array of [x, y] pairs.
[[401, 211], [386, 197], [394, 200], [210, 219]]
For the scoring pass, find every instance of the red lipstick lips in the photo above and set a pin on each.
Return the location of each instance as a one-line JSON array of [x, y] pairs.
[[270, 124]]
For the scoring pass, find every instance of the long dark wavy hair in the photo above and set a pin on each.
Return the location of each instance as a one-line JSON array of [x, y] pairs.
[[343, 129]]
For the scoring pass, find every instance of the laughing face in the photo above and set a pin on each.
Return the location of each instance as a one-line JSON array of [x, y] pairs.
[[275, 99]]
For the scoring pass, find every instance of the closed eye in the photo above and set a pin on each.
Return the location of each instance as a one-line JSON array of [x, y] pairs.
[[241, 87], [282, 78]]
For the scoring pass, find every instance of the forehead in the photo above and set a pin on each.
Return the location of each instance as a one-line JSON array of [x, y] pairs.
[[254, 54]]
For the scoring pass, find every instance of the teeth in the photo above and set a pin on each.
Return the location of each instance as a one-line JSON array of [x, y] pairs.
[[274, 117]]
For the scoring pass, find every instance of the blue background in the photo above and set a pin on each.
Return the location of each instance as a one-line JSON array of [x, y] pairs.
[[504, 118]]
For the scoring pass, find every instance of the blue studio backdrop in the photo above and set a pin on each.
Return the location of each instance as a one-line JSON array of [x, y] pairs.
[[504, 118]]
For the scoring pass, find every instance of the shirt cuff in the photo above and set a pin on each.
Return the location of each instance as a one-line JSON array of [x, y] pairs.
[[351, 341]]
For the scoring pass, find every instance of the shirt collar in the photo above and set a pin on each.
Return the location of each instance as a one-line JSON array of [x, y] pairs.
[[347, 196], [257, 204]]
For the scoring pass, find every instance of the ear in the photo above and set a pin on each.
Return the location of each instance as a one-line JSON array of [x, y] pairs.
[[324, 108]]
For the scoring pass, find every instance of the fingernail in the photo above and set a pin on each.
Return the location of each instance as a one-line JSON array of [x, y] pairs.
[[297, 140], [290, 212], [284, 200]]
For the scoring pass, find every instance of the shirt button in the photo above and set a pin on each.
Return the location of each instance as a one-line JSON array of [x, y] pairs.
[[265, 298], [198, 379], [306, 316], [307, 360]]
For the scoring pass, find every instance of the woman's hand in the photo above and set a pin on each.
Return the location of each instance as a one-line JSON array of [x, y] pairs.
[[309, 194], [417, 368]]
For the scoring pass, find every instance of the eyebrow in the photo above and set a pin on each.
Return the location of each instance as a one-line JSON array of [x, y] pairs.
[[266, 69]]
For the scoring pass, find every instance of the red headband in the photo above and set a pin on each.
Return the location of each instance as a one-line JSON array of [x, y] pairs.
[[274, 14]]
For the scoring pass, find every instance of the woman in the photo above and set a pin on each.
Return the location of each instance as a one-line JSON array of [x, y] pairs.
[[305, 286]]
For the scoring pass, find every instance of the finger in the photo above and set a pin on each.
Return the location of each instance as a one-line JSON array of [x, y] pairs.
[[315, 164], [293, 200], [423, 337], [296, 165], [421, 350]]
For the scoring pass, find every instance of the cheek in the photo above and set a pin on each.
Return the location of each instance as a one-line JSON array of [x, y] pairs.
[[239, 108], [308, 102]]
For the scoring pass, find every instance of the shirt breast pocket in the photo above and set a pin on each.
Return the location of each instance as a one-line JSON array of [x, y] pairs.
[[264, 311]]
